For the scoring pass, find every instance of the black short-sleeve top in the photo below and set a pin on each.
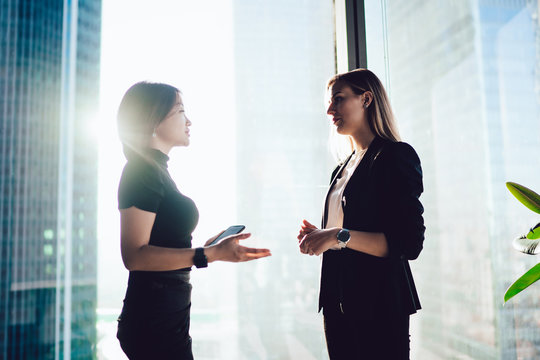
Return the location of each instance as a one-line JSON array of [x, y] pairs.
[[147, 185]]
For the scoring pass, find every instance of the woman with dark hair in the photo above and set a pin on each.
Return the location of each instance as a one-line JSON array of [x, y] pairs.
[[372, 225], [156, 225]]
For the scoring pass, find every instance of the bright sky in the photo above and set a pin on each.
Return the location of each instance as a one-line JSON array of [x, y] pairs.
[[189, 45]]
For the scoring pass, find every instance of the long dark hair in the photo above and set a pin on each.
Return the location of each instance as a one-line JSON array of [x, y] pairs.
[[142, 108]]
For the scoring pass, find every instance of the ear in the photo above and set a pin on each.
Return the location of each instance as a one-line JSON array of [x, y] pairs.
[[368, 99]]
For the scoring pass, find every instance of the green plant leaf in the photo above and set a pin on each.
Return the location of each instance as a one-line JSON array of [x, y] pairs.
[[534, 233], [526, 196], [526, 245], [523, 282]]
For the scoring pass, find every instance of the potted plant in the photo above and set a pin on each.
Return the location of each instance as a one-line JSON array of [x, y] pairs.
[[528, 243]]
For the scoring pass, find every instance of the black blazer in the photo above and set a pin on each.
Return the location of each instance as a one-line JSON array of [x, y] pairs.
[[382, 195]]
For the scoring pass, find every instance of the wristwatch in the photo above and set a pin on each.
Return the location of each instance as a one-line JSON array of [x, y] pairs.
[[343, 237], [200, 260]]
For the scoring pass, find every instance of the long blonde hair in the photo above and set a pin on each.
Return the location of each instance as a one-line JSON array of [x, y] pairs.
[[380, 117]]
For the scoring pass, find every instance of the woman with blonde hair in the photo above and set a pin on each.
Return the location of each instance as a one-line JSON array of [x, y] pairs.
[[372, 225]]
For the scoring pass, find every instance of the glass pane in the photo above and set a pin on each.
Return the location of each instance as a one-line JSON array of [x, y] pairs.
[[463, 79], [253, 77]]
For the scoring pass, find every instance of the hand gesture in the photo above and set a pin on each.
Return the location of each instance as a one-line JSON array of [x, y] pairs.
[[315, 241], [305, 229], [230, 250]]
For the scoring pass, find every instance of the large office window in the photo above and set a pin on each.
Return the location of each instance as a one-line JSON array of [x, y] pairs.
[[253, 77], [463, 80]]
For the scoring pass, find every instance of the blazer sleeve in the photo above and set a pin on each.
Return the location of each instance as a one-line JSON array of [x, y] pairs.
[[402, 221]]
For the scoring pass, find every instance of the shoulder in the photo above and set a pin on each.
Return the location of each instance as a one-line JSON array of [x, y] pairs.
[[142, 186], [398, 152], [141, 174], [398, 162]]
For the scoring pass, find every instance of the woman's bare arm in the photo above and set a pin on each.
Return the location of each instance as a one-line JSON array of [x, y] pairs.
[[137, 254]]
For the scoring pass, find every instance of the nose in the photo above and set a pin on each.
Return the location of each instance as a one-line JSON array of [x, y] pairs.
[[331, 110], [188, 122]]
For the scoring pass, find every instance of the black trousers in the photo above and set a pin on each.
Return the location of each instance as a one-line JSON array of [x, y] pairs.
[[355, 336], [155, 319]]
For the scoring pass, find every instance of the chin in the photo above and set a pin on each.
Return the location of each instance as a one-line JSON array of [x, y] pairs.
[[182, 141]]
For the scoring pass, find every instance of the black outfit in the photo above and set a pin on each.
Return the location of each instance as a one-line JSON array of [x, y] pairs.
[[154, 323], [367, 300]]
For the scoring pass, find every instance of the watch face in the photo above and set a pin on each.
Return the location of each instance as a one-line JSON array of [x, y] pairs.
[[343, 235]]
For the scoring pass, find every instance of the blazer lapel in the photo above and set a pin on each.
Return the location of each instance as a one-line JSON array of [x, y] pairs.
[[336, 176]]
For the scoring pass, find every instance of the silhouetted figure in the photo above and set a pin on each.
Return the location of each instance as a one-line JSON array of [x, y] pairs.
[[156, 225], [372, 225]]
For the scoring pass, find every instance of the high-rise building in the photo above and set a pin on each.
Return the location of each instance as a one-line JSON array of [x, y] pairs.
[[462, 83], [283, 58], [49, 81]]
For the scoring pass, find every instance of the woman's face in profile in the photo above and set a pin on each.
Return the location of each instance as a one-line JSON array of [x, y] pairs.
[[174, 129], [346, 109]]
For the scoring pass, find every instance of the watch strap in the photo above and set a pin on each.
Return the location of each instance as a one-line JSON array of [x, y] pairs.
[[200, 260]]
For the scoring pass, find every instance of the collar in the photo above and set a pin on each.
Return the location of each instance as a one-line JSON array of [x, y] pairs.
[[157, 156], [147, 154]]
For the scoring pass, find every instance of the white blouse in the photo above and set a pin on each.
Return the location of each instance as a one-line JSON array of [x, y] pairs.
[[335, 193]]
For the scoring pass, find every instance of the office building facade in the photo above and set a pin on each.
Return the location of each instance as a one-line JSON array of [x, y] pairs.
[[463, 86], [283, 58], [49, 78]]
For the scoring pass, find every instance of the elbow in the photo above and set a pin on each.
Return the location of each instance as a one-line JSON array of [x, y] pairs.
[[413, 252], [408, 251], [417, 245], [412, 255], [129, 264], [408, 243], [131, 259]]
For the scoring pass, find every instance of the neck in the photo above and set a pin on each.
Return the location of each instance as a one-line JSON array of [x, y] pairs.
[[362, 141], [158, 145]]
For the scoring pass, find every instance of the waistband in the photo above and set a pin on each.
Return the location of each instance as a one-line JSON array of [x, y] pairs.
[[168, 277], [156, 293]]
